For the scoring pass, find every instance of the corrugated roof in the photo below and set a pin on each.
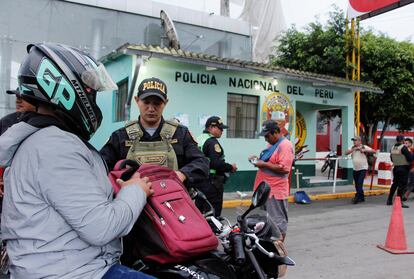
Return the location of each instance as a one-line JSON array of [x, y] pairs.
[[237, 64]]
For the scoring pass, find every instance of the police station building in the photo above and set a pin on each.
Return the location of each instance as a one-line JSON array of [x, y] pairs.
[[243, 93]]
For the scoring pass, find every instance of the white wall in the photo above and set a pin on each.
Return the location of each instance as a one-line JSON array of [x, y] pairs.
[[177, 13]]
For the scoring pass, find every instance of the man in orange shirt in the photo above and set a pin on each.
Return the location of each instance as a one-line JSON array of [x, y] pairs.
[[275, 164]]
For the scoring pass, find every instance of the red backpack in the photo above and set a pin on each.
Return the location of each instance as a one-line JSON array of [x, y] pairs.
[[170, 229]]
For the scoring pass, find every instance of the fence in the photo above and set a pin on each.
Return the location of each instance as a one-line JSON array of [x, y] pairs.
[[335, 169]]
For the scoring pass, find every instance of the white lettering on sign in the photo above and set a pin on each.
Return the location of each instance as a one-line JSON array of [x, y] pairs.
[[190, 271]]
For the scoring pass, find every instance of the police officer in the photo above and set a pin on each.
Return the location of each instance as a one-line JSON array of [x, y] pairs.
[[208, 143], [401, 158], [152, 139]]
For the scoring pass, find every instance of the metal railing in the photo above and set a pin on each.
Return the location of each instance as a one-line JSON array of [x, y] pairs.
[[336, 159]]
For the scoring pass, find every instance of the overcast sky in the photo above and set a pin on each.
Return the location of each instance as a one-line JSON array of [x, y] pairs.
[[397, 23]]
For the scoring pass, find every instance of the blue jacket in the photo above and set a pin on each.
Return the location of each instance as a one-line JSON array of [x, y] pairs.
[[59, 217]]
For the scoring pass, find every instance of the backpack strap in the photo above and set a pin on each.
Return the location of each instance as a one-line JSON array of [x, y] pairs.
[[168, 130], [133, 130]]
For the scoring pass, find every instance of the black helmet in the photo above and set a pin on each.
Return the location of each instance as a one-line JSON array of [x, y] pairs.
[[68, 80]]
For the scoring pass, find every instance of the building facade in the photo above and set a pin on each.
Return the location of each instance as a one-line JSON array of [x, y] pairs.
[[243, 93]]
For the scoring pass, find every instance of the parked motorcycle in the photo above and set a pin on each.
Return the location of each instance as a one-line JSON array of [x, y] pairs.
[[329, 163], [250, 249]]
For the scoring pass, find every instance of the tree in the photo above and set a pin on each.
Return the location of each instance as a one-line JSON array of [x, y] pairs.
[[319, 49], [384, 62], [390, 65]]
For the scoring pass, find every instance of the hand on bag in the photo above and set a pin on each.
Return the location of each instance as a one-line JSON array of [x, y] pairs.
[[181, 176], [136, 179]]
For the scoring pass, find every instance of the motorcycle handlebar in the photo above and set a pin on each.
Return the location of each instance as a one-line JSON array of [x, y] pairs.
[[237, 241], [259, 246], [284, 260]]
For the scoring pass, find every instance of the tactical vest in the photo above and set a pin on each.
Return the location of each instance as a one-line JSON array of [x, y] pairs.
[[398, 159], [152, 152], [201, 140]]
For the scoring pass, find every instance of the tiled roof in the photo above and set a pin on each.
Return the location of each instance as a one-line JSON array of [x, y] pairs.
[[238, 64]]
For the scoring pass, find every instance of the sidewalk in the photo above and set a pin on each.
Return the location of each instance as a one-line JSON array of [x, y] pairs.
[[233, 199]]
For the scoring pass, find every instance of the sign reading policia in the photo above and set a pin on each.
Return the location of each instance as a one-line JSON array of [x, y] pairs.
[[277, 107]]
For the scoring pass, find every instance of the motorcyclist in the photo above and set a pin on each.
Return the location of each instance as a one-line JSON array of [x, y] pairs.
[[60, 219]]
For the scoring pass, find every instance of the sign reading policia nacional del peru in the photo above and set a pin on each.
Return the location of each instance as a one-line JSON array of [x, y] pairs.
[[247, 83]]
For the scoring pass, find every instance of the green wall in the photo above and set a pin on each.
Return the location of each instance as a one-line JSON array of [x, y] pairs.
[[119, 69]]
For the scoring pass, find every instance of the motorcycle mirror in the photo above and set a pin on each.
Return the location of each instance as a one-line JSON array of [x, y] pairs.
[[259, 197], [193, 193], [261, 194], [196, 194], [201, 195]]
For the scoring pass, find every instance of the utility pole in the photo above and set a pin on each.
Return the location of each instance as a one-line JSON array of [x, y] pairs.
[[353, 64]]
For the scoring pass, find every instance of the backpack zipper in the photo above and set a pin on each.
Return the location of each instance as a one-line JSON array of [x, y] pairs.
[[180, 218], [160, 219]]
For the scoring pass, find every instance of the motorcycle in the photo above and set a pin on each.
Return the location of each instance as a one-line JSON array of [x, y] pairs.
[[249, 248], [329, 163]]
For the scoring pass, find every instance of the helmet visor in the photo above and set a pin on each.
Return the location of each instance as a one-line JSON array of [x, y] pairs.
[[98, 79]]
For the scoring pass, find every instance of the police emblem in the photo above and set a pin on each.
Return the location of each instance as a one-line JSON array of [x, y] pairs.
[[217, 148]]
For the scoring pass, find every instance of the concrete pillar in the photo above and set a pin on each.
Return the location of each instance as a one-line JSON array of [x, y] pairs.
[[97, 37]]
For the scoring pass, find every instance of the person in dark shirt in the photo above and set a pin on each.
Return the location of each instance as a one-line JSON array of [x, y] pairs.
[[8, 121], [150, 138], [410, 184], [209, 144], [12, 118], [401, 159]]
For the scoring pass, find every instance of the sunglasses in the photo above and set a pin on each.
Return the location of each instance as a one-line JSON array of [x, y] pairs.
[[220, 128]]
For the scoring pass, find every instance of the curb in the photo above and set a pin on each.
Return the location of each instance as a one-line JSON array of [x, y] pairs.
[[378, 186], [319, 197]]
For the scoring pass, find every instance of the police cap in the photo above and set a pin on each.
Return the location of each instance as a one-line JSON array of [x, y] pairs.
[[152, 87]]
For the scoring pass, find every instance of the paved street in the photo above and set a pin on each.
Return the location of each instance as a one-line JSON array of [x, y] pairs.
[[336, 239]]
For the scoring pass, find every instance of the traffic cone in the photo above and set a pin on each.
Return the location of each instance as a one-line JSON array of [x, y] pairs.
[[396, 242]]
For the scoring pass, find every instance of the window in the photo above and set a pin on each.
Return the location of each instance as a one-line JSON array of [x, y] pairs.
[[242, 114], [121, 96]]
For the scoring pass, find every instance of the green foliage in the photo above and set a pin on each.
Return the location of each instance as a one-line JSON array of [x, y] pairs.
[[385, 62], [390, 65], [320, 49]]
